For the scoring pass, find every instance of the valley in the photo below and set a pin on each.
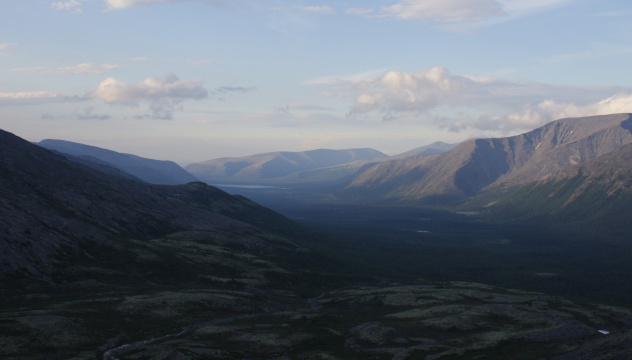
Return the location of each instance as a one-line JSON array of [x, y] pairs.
[[97, 263]]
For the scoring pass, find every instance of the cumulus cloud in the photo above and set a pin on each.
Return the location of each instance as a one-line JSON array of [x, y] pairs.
[[71, 5], [320, 9], [449, 11], [535, 115], [163, 94], [80, 69], [456, 102], [398, 91]]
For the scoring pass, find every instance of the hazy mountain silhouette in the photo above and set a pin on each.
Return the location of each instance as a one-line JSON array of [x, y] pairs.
[[149, 170], [269, 167]]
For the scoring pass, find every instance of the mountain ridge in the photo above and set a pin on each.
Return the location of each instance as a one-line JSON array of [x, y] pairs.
[[152, 171], [53, 210], [495, 162], [269, 167]]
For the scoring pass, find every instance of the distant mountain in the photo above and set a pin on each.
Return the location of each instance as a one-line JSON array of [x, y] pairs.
[[151, 171], [270, 167], [499, 163], [438, 147]]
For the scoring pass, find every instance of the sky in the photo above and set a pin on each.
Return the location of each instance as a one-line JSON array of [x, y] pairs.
[[193, 80]]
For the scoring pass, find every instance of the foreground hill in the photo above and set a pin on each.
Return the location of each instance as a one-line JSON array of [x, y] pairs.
[[149, 170], [492, 163], [270, 167]]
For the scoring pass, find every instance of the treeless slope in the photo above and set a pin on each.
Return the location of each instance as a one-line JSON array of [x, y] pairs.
[[501, 162], [53, 209]]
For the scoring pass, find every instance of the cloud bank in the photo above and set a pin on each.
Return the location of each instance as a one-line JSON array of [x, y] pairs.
[[458, 102], [163, 94], [27, 98]]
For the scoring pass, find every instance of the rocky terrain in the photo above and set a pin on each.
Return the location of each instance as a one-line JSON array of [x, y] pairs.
[[498, 163], [429, 321]]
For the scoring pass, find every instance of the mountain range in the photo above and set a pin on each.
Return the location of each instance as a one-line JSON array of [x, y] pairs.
[[149, 170], [95, 263], [493, 164], [56, 213], [276, 166]]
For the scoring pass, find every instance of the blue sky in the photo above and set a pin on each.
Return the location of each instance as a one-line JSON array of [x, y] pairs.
[[192, 80]]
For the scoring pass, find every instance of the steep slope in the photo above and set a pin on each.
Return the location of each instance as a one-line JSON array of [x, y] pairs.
[[497, 163], [149, 170], [270, 167], [437, 147], [55, 213], [594, 195]]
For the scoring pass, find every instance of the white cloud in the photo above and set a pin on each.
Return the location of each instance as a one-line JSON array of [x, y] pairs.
[[459, 13], [80, 69], [449, 11], [27, 98], [547, 110], [71, 5], [163, 94], [320, 9], [456, 102], [398, 91], [27, 95]]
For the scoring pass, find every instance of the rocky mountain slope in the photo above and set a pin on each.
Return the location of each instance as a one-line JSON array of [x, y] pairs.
[[149, 170], [594, 195], [493, 163], [55, 212], [270, 167]]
